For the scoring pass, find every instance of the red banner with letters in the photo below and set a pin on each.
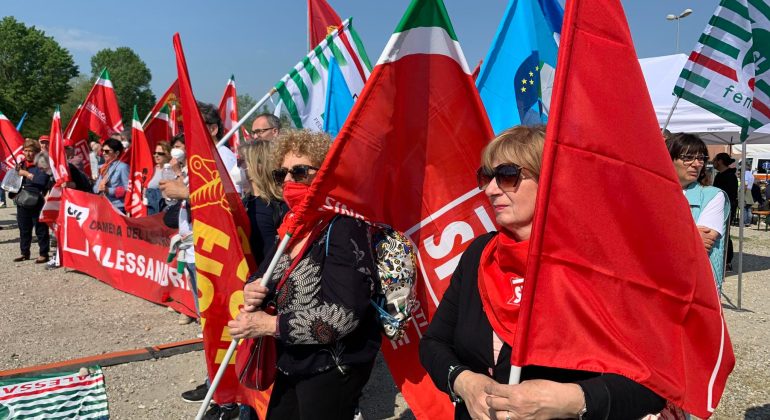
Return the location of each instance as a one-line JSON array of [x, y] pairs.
[[129, 254]]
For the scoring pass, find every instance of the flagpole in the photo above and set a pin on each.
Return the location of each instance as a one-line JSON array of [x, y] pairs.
[[668, 119], [229, 355], [9, 148], [253, 109], [515, 377], [742, 205]]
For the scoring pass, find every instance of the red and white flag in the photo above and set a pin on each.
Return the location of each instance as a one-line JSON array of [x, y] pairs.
[[99, 113], [618, 280], [174, 120], [159, 127], [419, 128], [322, 20], [228, 111], [141, 170], [169, 98], [57, 158], [11, 150]]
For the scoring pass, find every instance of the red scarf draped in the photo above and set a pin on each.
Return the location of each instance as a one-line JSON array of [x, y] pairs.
[[501, 271]]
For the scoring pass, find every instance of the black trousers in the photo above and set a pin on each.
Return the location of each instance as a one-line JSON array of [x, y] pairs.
[[328, 395], [27, 220]]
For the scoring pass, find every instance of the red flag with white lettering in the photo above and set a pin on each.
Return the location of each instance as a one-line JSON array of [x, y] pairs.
[[618, 280], [99, 113], [228, 111], [141, 171], [220, 231], [407, 156], [56, 156]]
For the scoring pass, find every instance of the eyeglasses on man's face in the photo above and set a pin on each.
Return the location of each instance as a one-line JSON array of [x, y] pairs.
[[259, 131]]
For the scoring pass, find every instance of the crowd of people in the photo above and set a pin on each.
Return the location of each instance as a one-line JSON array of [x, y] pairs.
[[325, 326]]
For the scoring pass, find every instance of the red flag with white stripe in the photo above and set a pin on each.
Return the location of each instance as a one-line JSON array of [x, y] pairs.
[[159, 127], [141, 171], [228, 111], [56, 156], [12, 146], [99, 113]]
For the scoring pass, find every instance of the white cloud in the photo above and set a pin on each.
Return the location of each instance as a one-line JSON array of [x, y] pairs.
[[79, 40]]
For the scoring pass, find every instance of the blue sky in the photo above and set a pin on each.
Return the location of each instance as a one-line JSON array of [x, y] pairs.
[[260, 40]]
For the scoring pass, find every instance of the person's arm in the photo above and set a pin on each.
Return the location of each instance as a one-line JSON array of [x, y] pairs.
[[347, 274], [118, 190], [40, 179], [613, 396]]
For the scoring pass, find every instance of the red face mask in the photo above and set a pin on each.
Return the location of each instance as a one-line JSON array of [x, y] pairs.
[[294, 193]]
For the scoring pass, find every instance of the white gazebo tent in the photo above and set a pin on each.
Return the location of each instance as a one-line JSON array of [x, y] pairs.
[[661, 74]]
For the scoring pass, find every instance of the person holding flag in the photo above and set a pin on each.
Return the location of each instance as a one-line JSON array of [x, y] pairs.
[[466, 349], [326, 327], [36, 181]]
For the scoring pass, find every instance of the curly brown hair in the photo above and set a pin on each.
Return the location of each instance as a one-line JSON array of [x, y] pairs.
[[302, 143]]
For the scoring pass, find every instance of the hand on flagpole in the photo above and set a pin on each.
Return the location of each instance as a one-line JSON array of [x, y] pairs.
[[252, 325], [534, 399], [470, 387], [253, 295]]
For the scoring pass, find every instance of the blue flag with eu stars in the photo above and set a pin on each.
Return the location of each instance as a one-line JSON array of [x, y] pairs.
[[516, 77]]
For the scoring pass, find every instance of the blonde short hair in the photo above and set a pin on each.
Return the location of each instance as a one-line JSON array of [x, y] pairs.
[[303, 143], [522, 145], [258, 158]]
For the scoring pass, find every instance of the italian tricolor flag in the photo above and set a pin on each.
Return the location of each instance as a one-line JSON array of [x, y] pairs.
[[159, 128], [727, 71]]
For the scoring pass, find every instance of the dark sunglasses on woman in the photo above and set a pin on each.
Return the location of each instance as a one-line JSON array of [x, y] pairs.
[[300, 173], [506, 175]]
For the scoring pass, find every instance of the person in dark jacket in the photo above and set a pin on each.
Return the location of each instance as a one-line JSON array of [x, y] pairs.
[[466, 348], [727, 181], [36, 179]]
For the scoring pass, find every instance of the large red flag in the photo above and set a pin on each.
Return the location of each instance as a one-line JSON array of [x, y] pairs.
[[321, 21], [57, 158], [11, 149], [99, 113], [407, 156], [159, 127], [142, 168], [618, 280], [228, 111], [221, 231]]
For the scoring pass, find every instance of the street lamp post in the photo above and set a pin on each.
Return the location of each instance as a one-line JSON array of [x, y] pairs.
[[677, 18]]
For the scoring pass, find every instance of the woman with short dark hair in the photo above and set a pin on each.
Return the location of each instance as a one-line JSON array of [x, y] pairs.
[[112, 181]]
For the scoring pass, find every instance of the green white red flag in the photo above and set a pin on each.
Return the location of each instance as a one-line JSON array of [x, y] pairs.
[[141, 170], [170, 97], [159, 127], [99, 113], [57, 158], [228, 111], [419, 127], [55, 396], [302, 92], [220, 230], [728, 71], [12, 146], [612, 287]]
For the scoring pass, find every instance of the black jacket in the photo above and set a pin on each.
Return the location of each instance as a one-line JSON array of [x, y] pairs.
[[727, 181], [460, 334]]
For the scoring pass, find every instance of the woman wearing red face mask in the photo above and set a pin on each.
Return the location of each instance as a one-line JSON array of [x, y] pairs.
[[326, 329]]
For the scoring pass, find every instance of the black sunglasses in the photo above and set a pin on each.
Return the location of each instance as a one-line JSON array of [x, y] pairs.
[[159, 154], [299, 173], [506, 175]]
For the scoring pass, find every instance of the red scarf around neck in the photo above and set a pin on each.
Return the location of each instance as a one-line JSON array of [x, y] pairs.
[[501, 271]]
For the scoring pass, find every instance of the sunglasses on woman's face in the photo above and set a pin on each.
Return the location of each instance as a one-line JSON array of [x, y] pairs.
[[299, 173], [106, 150], [160, 154], [506, 175]]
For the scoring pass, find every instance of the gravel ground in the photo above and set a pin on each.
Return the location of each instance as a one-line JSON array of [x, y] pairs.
[[51, 316]]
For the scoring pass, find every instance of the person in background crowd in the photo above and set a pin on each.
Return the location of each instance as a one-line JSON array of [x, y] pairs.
[[463, 349], [96, 158], [326, 328], [264, 204], [45, 142], [727, 181], [265, 127], [36, 180], [113, 175], [710, 206], [748, 179], [152, 195]]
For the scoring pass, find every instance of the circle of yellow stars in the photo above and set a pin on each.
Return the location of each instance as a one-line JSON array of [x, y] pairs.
[[530, 81]]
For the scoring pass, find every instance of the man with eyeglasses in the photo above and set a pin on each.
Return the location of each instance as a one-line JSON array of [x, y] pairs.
[[265, 127]]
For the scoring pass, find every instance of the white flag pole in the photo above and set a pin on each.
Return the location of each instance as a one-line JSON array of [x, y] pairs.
[[229, 355], [253, 109], [742, 206], [515, 377], [668, 119]]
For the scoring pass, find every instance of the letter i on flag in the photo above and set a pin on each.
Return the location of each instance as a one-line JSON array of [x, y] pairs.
[[419, 128], [517, 74], [602, 293], [228, 112], [221, 231], [141, 170], [728, 72]]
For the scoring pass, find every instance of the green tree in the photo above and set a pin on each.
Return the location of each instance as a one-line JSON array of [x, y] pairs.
[[245, 102], [130, 78], [34, 71], [81, 86]]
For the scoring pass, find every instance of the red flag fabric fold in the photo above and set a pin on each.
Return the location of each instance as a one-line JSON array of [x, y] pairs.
[[618, 279], [12, 146], [322, 19], [228, 111], [99, 113], [57, 158], [141, 170]]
